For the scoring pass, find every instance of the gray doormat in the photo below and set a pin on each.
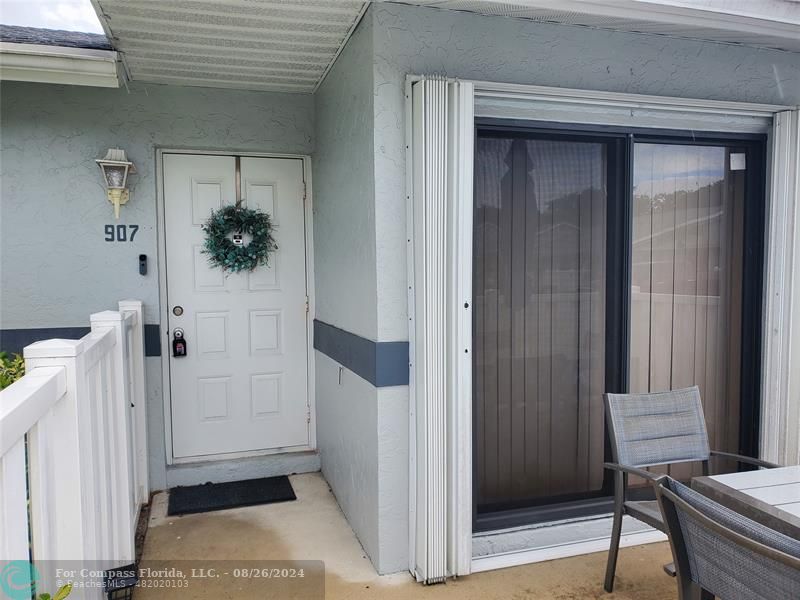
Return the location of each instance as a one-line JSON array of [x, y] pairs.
[[219, 496]]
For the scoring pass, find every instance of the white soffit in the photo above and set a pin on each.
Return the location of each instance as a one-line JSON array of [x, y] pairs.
[[759, 23], [273, 45]]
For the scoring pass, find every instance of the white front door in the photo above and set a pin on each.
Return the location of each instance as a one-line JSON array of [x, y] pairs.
[[243, 385]]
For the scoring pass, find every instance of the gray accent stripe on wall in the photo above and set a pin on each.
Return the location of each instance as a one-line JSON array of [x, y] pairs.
[[383, 364], [14, 340]]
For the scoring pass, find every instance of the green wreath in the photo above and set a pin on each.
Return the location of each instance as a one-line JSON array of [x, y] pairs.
[[225, 245]]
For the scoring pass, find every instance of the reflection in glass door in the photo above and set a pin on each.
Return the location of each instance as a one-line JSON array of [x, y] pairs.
[[605, 262], [539, 320], [686, 298]]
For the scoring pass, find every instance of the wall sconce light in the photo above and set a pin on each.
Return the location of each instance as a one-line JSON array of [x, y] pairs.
[[116, 167]]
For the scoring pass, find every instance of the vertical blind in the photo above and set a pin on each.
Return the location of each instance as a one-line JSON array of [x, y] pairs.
[[539, 319]]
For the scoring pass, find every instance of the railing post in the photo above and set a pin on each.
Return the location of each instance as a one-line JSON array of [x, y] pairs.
[[119, 467], [138, 399], [63, 518]]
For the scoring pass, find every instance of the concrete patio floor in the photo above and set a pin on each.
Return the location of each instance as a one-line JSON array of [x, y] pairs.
[[314, 528]]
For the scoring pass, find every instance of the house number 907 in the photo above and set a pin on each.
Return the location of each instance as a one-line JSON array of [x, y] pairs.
[[121, 233]]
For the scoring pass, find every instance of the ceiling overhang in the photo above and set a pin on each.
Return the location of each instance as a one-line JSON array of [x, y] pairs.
[[762, 23], [765, 23], [268, 45]]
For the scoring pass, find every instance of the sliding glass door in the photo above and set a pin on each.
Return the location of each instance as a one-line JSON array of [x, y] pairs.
[[603, 262]]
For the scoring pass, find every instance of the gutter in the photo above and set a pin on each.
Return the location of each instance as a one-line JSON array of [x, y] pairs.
[[58, 64]]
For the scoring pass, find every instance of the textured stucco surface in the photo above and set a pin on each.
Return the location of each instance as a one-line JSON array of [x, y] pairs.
[[347, 437], [361, 431], [426, 40], [344, 207], [156, 441], [57, 268], [345, 283], [393, 421]]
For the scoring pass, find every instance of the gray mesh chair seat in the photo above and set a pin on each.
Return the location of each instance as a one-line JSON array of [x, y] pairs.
[[646, 511], [719, 552], [648, 430]]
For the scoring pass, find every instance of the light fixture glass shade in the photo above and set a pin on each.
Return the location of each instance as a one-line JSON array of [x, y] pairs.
[[115, 167], [115, 175]]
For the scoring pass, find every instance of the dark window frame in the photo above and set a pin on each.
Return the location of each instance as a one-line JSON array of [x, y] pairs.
[[619, 142]]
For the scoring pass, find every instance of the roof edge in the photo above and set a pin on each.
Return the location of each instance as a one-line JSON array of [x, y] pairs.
[[59, 64], [53, 37]]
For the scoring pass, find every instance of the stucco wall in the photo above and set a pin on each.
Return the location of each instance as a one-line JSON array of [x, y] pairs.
[[345, 282], [393, 421], [344, 207], [347, 436], [55, 267], [426, 40]]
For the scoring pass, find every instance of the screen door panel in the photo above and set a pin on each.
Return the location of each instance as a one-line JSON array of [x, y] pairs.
[[539, 319]]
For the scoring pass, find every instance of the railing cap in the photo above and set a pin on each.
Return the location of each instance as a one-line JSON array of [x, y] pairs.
[[54, 348], [105, 316], [130, 304]]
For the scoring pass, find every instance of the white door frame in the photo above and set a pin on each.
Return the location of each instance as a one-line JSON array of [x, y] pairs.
[[441, 545], [164, 308]]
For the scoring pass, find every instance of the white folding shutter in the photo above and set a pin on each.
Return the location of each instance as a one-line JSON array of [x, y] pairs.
[[460, 198], [780, 420], [430, 326], [441, 499]]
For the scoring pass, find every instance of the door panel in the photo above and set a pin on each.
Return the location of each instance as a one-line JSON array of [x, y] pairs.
[[539, 319], [687, 276], [243, 385]]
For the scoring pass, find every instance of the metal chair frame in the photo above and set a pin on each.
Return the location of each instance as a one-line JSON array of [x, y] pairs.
[[644, 511]]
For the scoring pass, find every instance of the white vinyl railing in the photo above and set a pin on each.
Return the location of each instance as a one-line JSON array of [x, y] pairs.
[[80, 412]]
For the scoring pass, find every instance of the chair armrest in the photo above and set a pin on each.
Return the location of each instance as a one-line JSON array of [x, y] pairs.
[[746, 459], [652, 477]]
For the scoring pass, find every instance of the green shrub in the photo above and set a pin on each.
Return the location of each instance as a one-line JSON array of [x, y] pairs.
[[63, 592], [11, 369]]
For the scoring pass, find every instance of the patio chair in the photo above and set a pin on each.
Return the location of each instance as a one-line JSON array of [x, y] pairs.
[[648, 430], [721, 553]]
